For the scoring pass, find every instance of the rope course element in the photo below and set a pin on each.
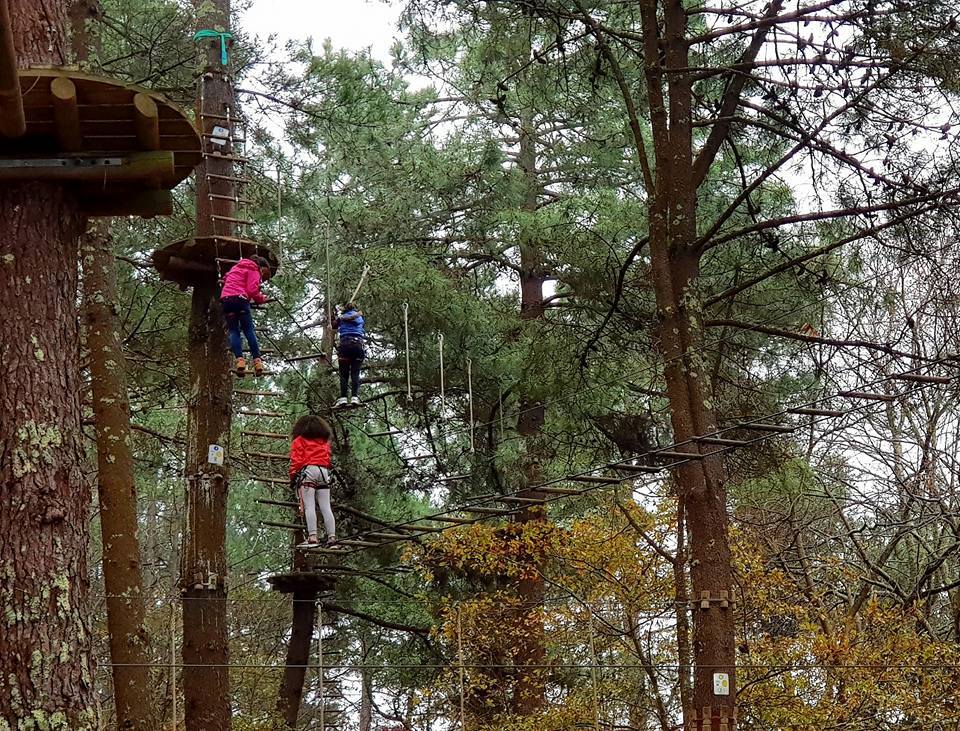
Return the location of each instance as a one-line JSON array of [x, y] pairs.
[[678, 453]]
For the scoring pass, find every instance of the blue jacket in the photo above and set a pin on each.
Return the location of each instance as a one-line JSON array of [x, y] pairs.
[[351, 327]]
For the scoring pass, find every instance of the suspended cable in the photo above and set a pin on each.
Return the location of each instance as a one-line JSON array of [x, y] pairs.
[[406, 345], [470, 396]]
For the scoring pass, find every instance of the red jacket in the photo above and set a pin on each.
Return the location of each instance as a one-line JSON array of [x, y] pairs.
[[305, 452], [243, 280]]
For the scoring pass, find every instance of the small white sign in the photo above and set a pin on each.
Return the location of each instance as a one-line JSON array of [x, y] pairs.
[[219, 135], [721, 684], [215, 454]]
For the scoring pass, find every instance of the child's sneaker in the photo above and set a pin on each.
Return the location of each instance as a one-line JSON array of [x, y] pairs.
[[355, 401], [241, 366], [342, 401], [257, 367]]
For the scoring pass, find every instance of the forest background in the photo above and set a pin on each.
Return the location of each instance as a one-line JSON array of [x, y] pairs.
[[491, 175]]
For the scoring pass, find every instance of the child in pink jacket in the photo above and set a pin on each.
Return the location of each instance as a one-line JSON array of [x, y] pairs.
[[241, 286]]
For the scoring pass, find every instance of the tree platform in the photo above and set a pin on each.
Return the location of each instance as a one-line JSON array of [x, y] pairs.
[[121, 147], [189, 261]]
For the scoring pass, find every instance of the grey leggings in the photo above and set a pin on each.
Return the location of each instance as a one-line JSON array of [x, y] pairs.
[[314, 491]]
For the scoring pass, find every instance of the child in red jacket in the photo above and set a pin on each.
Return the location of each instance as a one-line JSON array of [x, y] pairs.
[[310, 473], [241, 286]]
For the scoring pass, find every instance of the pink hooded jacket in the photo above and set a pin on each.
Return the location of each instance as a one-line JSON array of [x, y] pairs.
[[243, 280]]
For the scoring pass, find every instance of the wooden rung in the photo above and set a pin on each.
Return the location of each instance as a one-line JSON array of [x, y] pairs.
[[520, 500], [309, 356], [230, 158], [867, 395], [147, 121], [268, 414], [388, 433], [228, 178], [456, 521], [723, 441], [643, 468], [803, 411], [772, 428], [357, 542], [231, 198], [225, 118], [488, 511], [281, 503], [673, 454], [251, 374], [267, 455], [453, 478], [596, 480], [922, 378], [246, 392], [288, 526], [389, 536], [270, 480], [231, 219], [549, 490], [424, 528], [267, 434]]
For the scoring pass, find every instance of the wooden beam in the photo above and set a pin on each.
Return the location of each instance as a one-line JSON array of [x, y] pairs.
[[66, 114], [13, 122], [596, 480], [144, 204], [804, 411], [922, 378], [142, 166], [146, 119], [868, 396]]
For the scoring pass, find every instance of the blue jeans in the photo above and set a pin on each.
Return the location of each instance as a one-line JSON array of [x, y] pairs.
[[236, 311]]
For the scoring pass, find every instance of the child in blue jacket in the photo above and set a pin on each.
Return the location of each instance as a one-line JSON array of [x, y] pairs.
[[350, 352]]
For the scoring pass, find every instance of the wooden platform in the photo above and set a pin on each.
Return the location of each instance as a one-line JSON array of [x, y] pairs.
[[189, 261], [120, 146], [302, 581]]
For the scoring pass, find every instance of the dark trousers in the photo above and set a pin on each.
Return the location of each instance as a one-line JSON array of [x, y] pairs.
[[236, 311], [349, 359]]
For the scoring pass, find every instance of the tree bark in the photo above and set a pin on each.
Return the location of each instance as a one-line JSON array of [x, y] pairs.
[[530, 690], [203, 562], [117, 492], [46, 666], [298, 655]]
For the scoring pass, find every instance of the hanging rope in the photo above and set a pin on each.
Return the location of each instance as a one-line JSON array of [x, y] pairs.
[[363, 277], [443, 399], [223, 37], [406, 343], [470, 395]]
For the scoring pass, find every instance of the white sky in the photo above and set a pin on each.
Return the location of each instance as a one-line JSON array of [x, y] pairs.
[[353, 24]]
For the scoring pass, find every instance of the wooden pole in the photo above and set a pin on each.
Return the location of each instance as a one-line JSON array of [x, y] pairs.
[[147, 122], [593, 674], [66, 114], [463, 704], [13, 123], [173, 664], [323, 700]]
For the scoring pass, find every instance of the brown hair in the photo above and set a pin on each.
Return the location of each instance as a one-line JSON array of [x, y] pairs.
[[312, 427]]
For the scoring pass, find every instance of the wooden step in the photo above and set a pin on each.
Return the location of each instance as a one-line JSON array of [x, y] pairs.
[[247, 392], [520, 500], [922, 378], [867, 395], [488, 511], [636, 468], [550, 490], [309, 356], [770, 428], [804, 411], [673, 454], [357, 543], [389, 433], [723, 441], [265, 414], [456, 521], [231, 219], [596, 480], [287, 526]]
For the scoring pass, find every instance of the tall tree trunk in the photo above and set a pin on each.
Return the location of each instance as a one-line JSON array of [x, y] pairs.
[[117, 492], [366, 689], [530, 689], [298, 656], [46, 667], [203, 562]]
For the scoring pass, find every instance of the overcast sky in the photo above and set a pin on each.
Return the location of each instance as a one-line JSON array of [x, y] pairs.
[[353, 24]]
